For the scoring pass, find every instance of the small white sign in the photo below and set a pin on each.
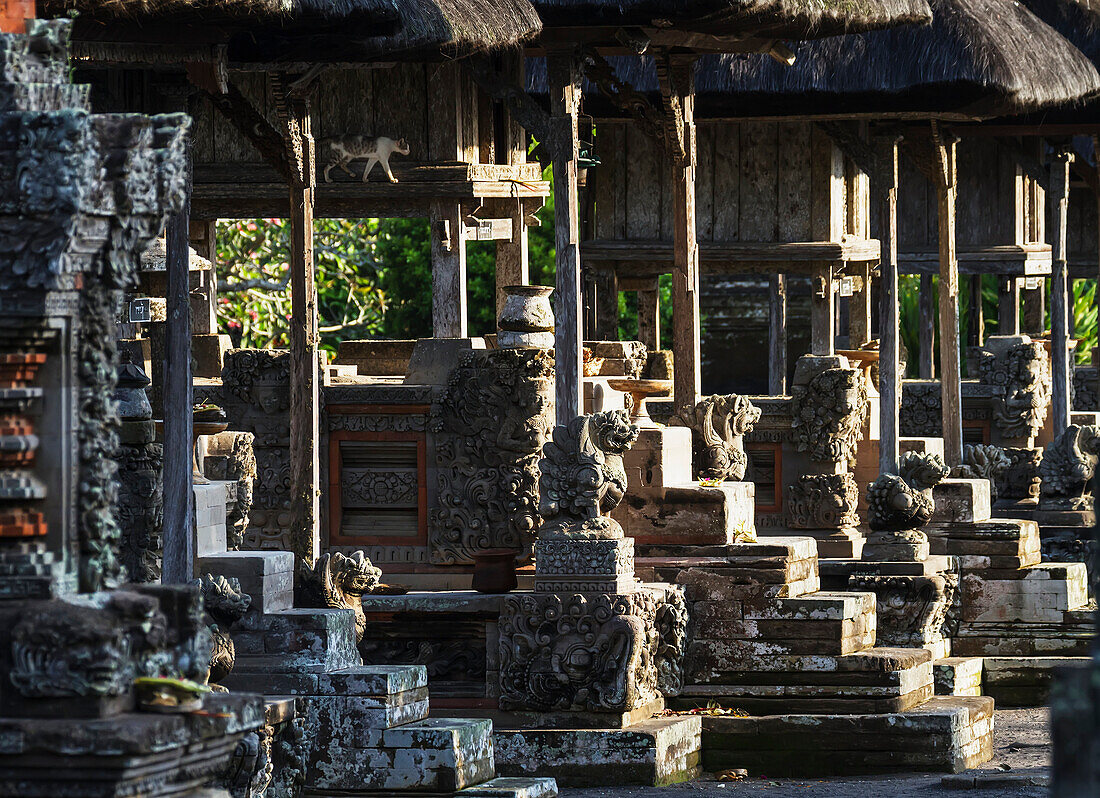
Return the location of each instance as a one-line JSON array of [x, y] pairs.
[[846, 286], [141, 311]]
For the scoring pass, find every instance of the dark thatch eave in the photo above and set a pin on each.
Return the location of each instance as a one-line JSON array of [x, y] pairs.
[[978, 59], [1077, 20], [763, 18], [300, 31]]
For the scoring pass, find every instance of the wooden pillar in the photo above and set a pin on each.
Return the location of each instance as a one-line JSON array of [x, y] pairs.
[[885, 191], [606, 307], [305, 428], [178, 534], [1059, 292], [449, 317], [564, 76], [1034, 322], [1008, 306], [822, 303], [649, 316], [859, 310], [976, 329], [777, 335], [677, 79], [926, 329], [512, 264], [950, 372]]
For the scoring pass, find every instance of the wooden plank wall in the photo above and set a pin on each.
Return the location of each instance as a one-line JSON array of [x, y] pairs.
[[400, 102], [755, 181], [994, 203]]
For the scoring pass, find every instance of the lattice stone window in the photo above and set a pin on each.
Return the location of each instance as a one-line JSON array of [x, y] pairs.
[[765, 470]]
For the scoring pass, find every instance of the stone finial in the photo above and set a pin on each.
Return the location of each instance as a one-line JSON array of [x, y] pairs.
[[583, 478], [718, 425], [225, 604], [904, 500], [983, 461], [1067, 467], [338, 581], [829, 409]]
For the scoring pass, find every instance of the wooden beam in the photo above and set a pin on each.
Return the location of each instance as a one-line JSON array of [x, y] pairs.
[[676, 75], [507, 86], [787, 252], [950, 367], [305, 429], [1026, 161], [777, 335], [1059, 292], [884, 189], [512, 261], [859, 309], [847, 137], [253, 125], [606, 305], [1034, 316], [178, 535], [564, 75]]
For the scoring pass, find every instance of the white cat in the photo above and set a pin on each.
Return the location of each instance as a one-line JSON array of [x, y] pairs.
[[344, 150]]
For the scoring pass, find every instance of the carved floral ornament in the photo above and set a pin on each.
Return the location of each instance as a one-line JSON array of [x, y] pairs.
[[822, 501], [490, 425], [828, 415]]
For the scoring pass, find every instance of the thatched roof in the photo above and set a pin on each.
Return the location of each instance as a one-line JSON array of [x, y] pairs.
[[303, 30], [978, 59], [776, 18], [1077, 20]]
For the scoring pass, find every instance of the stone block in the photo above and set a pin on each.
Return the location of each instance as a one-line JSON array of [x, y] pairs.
[[513, 787], [433, 359], [958, 675], [657, 751], [1024, 681], [661, 457], [267, 576], [208, 354], [377, 357], [689, 514], [946, 733], [373, 680], [921, 446], [466, 739], [961, 501]]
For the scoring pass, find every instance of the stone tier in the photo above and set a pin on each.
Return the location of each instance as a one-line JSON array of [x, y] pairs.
[[765, 638], [129, 754], [656, 751], [369, 730], [1012, 603], [945, 733]]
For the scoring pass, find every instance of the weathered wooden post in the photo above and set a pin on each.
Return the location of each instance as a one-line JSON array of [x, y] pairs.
[[564, 74], [1008, 306], [822, 310], [976, 331], [305, 428], [676, 74], [449, 316], [926, 361], [179, 496], [1059, 291], [885, 188], [649, 314], [950, 373], [777, 334]]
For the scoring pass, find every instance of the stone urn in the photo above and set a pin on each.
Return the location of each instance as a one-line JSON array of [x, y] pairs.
[[527, 319], [640, 391], [495, 571]]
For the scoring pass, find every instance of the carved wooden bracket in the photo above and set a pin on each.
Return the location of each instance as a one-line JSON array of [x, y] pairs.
[[651, 120], [293, 112], [253, 125], [523, 108]]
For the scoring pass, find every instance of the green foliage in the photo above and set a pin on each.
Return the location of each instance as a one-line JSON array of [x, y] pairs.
[[253, 293], [628, 312], [404, 246]]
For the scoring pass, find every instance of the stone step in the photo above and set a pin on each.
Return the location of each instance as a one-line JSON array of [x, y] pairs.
[[654, 752], [999, 543], [293, 641], [945, 733], [513, 787], [958, 675], [1039, 593], [1023, 681], [871, 681]]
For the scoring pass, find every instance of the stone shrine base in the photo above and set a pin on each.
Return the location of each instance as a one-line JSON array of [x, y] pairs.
[[137, 753], [653, 752], [946, 733], [1010, 681]]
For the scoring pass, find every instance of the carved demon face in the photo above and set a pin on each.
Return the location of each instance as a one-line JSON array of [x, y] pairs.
[[613, 431]]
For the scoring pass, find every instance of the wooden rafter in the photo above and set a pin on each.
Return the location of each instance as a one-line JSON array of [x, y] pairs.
[[523, 108], [253, 125]]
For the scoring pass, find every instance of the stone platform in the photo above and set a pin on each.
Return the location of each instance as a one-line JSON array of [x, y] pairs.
[[946, 733], [654, 752]]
